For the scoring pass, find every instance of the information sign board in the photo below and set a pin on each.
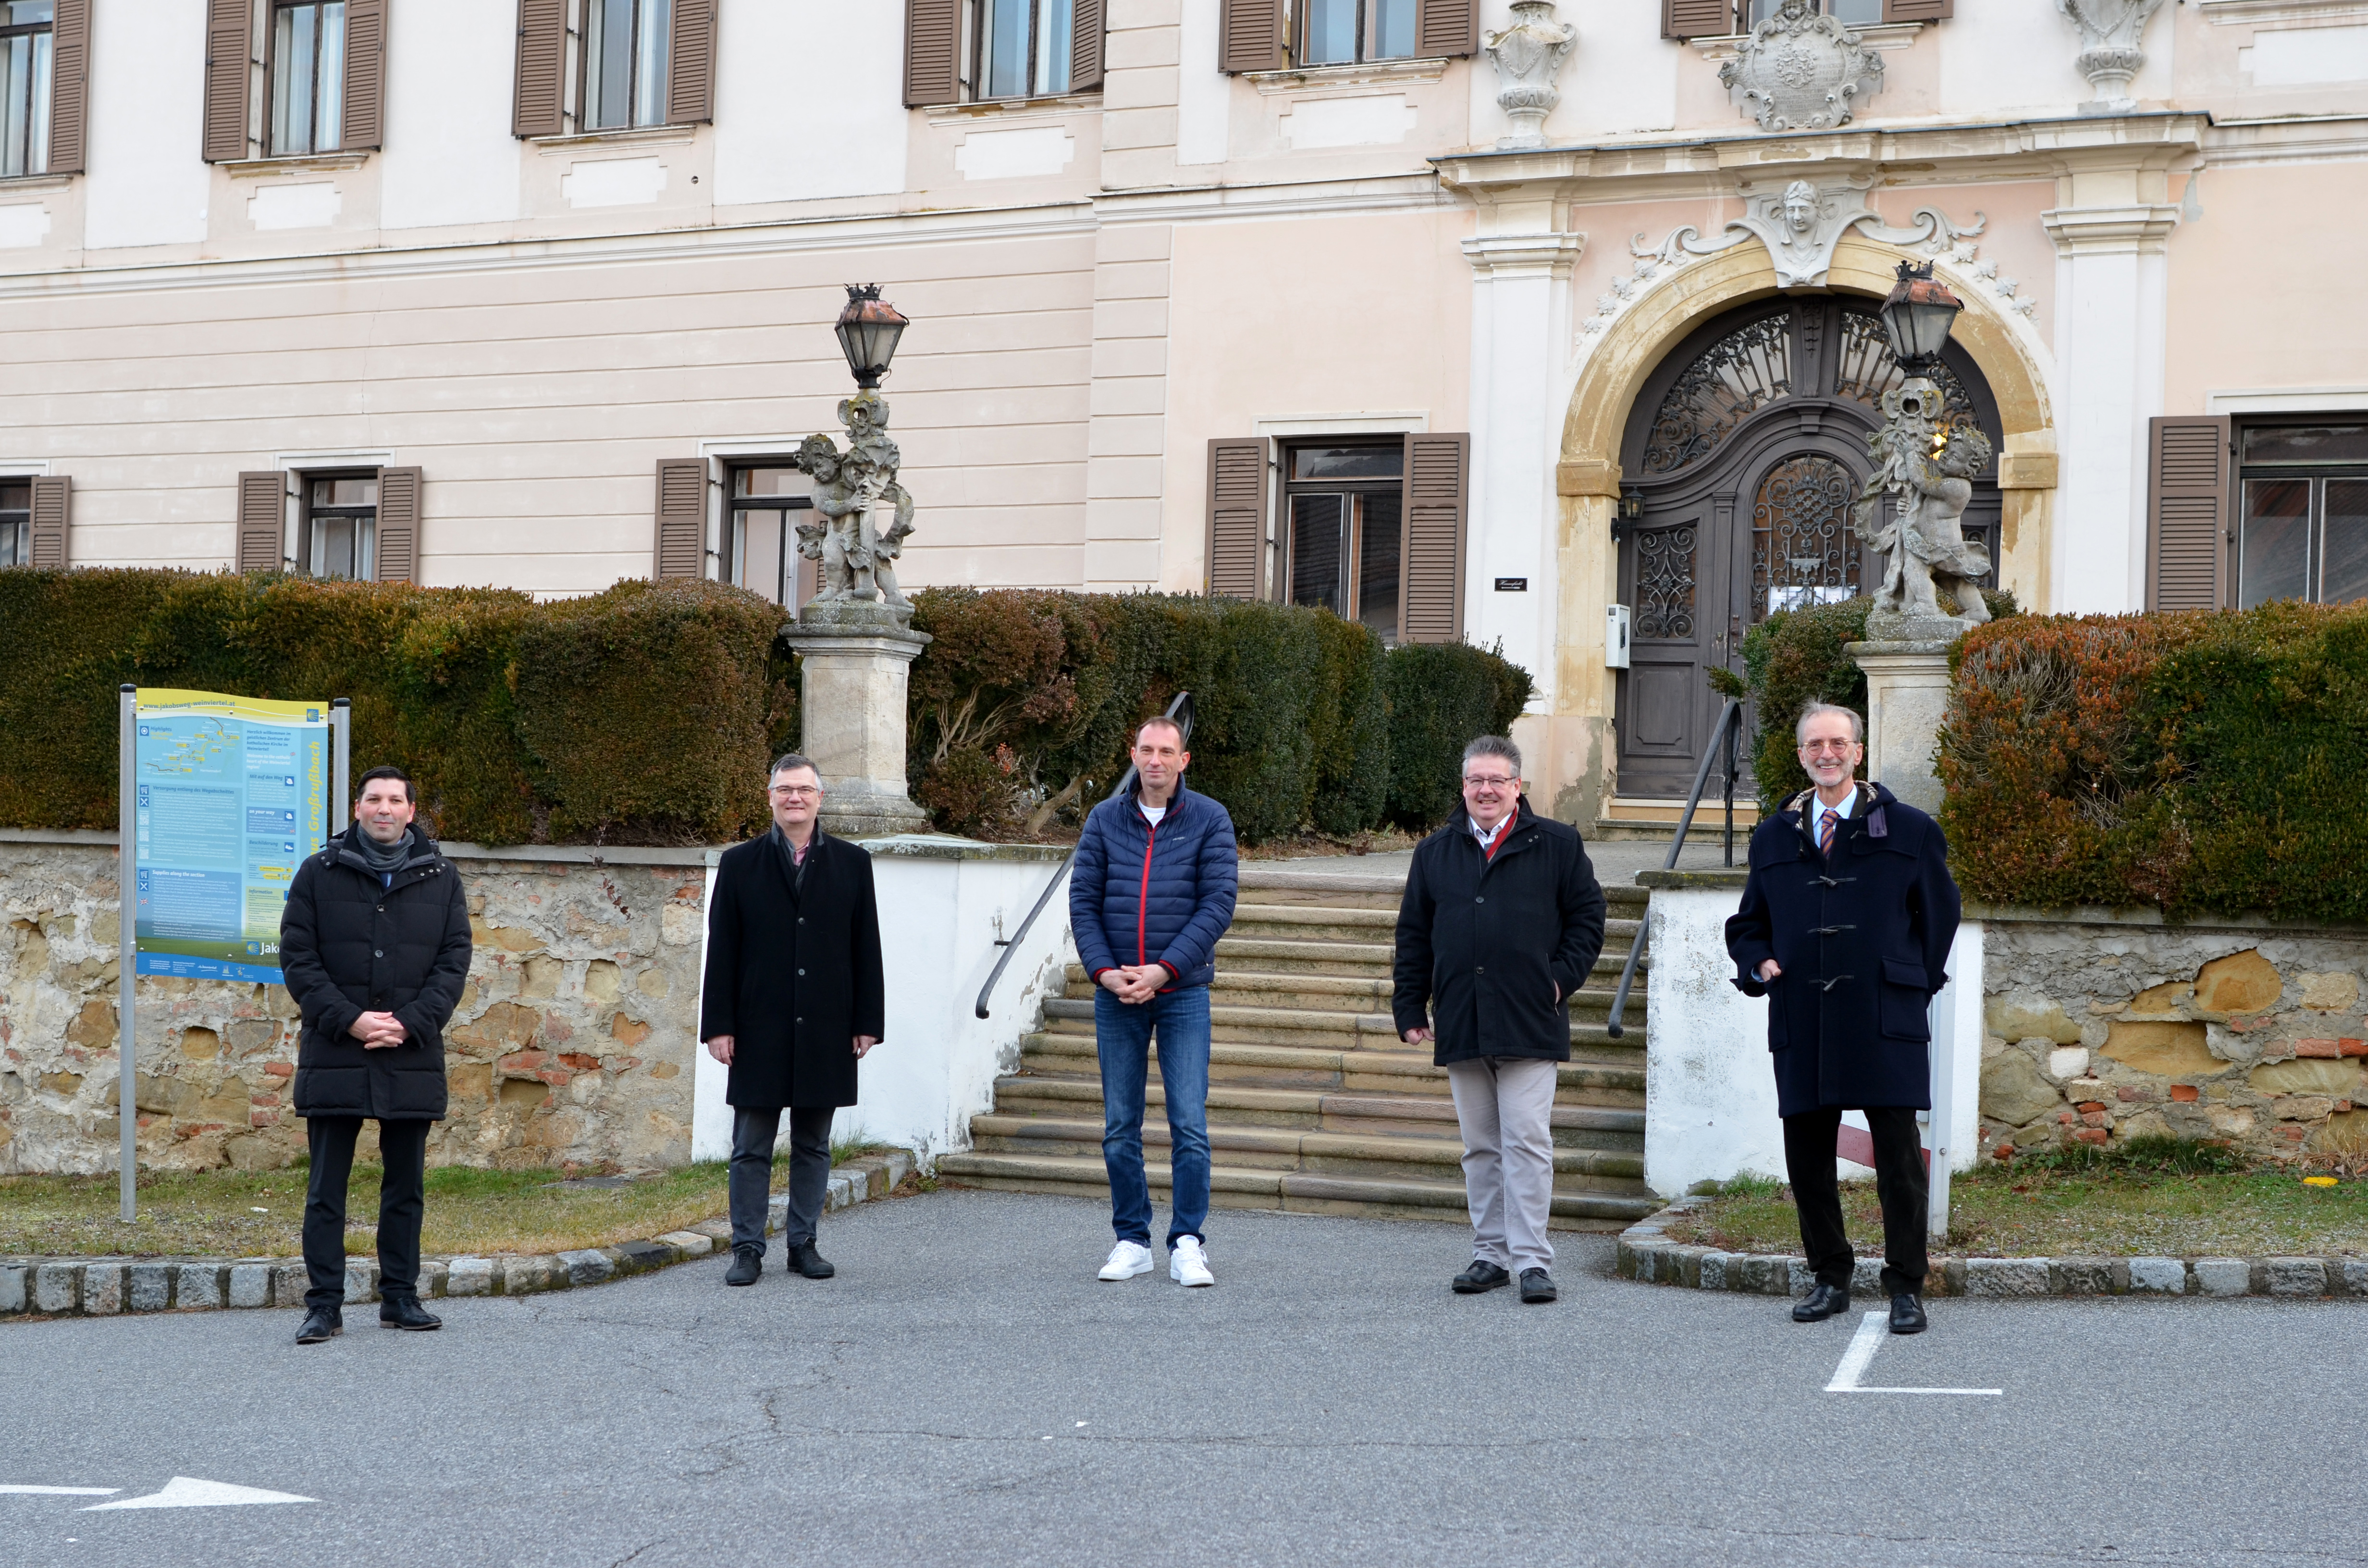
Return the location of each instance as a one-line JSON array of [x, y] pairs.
[[229, 795]]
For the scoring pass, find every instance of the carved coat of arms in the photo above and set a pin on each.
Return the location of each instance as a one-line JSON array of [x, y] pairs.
[[1800, 71]]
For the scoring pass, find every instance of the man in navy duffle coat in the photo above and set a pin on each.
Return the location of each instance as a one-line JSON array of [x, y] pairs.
[[1847, 914], [1152, 890]]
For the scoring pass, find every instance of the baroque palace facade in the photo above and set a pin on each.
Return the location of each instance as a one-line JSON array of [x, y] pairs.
[[1543, 324]]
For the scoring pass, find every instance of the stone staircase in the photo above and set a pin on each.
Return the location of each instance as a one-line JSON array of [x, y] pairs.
[[1314, 1105]]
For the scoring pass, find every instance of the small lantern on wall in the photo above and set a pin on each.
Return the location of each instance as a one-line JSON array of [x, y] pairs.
[[1916, 316], [1627, 511], [868, 331]]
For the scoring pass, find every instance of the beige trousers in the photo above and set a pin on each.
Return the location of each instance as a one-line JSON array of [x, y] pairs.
[[1505, 1107]]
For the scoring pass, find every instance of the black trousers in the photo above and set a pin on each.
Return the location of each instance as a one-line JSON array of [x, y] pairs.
[[1899, 1183], [753, 1132], [402, 1199]]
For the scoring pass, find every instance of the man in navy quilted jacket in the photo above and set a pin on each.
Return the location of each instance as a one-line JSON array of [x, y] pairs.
[[1152, 890]]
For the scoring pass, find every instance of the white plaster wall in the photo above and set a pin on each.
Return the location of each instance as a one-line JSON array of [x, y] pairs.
[[147, 183], [450, 156], [939, 918], [808, 103], [2019, 54], [1203, 94], [1620, 79]]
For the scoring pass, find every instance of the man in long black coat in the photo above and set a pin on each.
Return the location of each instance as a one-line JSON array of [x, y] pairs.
[[794, 997], [1847, 914], [374, 947], [1501, 921]]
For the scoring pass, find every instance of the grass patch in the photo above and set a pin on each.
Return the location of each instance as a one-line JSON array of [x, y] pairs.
[[260, 1213], [2159, 1198]]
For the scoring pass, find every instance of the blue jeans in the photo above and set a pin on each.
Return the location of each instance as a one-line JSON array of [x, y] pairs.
[[1122, 1040]]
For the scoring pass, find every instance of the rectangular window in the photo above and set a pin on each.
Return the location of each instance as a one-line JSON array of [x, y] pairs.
[[307, 76], [1022, 48], [340, 531], [760, 543], [2301, 528], [1851, 13], [25, 42], [1347, 531], [626, 45], [16, 522], [1343, 32]]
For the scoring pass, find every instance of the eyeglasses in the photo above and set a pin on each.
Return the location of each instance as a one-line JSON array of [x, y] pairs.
[[1818, 748], [797, 792], [1483, 782]]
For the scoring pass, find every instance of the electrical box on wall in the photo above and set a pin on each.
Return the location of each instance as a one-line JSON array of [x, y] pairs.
[[1615, 637]]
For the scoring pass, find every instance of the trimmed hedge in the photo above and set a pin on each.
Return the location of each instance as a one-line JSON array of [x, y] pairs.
[[1025, 705], [507, 712], [2197, 761]]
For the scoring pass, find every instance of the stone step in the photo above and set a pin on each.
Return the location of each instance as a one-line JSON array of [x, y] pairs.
[[1321, 1028], [1245, 987], [1381, 1070], [1236, 1186], [1574, 1126], [1290, 950], [1430, 1158]]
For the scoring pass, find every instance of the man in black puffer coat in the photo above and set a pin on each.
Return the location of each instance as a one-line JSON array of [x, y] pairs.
[[374, 944]]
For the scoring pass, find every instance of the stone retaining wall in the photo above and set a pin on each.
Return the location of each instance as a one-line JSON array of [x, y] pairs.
[[572, 1045], [2104, 1026]]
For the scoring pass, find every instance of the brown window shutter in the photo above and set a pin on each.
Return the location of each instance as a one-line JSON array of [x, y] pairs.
[[51, 498], [1919, 10], [262, 517], [229, 49], [69, 85], [398, 524], [932, 48], [1697, 19], [690, 64], [1250, 37], [365, 115], [2188, 512], [681, 545], [1236, 517], [1433, 604], [1446, 27], [535, 104], [1085, 24]]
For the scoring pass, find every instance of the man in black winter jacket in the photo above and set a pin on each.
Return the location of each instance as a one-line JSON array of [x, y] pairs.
[[374, 944], [1501, 921]]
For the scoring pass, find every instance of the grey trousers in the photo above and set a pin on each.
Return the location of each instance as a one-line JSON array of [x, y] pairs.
[[1505, 1106], [751, 1181]]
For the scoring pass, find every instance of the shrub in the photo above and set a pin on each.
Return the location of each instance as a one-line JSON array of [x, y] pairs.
[[1443, 695]]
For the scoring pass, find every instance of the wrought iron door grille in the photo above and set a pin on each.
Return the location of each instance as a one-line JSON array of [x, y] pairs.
[[1665, 584], [1729, 382], [1804, 550]]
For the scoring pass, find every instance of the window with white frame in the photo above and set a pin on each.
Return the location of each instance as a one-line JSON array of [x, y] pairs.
[[626, 45], [16, 522], [1345, 32], [2303, 524], [307, 76], [1847, 12], [1021, 49], [340, 531], [26, 68]]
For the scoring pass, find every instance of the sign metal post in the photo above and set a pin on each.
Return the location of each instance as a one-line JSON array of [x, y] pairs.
[[341, 731]]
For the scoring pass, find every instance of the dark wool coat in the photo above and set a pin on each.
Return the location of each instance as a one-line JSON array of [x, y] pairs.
[[1863, 943], [1487, 944], [1140, 894], [794, 970], [350, 945]]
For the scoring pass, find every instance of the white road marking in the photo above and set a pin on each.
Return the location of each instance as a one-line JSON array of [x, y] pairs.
[[188, 1492], [64, 1491], [1872, 1331]]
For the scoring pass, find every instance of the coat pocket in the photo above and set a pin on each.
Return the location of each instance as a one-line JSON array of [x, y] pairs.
[[1905, 1002], [413, 1092], [332, 1091]]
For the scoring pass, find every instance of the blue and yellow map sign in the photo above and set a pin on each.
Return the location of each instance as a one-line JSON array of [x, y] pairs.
[[232, 792]]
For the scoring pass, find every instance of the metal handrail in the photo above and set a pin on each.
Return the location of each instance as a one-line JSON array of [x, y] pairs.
[[1182, 712], [1724, 738]]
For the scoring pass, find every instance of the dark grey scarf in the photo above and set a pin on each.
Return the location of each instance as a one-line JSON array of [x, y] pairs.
[[383, 858]]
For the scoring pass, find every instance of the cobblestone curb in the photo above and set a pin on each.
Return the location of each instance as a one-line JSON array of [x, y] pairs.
[[102, 1287], [1647, 1255]]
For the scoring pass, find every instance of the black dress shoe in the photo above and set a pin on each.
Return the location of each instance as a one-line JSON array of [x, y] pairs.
[[809, 1263], [746, 1264], [404, 1312], [1537, 1288], [320, 1325], [1823, 1301], [1481, 1277], [1906, 1314]]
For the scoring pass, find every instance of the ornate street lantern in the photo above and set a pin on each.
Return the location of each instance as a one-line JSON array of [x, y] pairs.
[[1916, 317], [868, 331]]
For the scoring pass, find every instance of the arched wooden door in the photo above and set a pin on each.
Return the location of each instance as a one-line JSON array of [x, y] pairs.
[[1749, 448]]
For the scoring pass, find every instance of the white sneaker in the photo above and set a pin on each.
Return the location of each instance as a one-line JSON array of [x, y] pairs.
[[1126, 1260], [1187, 1262]]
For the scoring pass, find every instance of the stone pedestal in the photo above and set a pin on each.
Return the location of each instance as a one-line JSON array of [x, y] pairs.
[[1907, 698], [857, 656]]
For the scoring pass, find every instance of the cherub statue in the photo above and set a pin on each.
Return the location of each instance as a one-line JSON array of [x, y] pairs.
[[820, 537], [1931, 564], [851, 487]]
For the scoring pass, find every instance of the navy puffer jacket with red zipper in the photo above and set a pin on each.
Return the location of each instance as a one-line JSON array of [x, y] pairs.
[[1142, 894]]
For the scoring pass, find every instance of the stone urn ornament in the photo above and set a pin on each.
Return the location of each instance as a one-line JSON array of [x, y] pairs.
[[1529, 55], [1800, 71], [2110, 55]]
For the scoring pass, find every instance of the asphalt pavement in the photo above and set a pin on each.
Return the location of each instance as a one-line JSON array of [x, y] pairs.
[[965, 1392]]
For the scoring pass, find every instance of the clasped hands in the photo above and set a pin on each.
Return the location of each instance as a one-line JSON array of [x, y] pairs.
[[1135, 984], [378, 1031], [720, 1046]]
